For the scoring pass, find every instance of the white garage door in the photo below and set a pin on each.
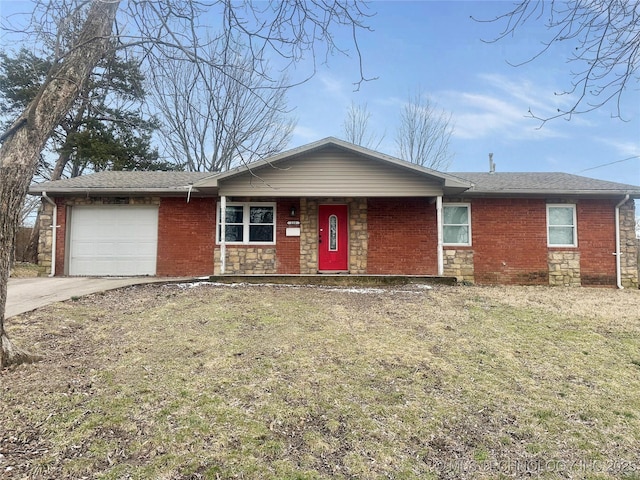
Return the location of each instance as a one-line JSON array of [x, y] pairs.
[[113, 240]]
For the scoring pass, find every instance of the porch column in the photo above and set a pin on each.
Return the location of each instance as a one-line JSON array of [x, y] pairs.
[[223, 234], [440, 235]]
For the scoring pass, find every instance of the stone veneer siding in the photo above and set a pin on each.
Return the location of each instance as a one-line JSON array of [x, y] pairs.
[[358, 236], [564, 268], [629, 246], [45, 238], [244, 260], [459, 264]]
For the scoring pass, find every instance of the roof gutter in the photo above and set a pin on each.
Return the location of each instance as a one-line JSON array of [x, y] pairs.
[[618, 247], [54, 229]]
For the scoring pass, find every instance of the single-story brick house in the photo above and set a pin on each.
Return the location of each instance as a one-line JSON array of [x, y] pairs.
[[332, 206]]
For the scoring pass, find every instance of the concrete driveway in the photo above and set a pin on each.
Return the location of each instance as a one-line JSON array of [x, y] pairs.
[[26, 294]]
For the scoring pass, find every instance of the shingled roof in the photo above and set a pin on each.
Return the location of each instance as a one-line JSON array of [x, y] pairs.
[[489, 184], [116, 182], [542, 183]]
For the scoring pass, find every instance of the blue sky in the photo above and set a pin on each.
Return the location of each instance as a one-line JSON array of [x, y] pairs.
[[435, 46]]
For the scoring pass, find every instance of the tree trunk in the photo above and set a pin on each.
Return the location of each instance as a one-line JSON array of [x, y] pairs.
[[24, 141]]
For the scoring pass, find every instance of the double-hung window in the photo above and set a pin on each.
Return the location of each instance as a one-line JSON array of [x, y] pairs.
[[561, 225], [456, 224], [248, 223]]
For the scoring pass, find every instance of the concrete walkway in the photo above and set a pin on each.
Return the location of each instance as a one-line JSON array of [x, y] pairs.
[[26, 294]]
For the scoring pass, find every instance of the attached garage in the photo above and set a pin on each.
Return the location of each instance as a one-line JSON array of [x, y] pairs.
[[113, 240]]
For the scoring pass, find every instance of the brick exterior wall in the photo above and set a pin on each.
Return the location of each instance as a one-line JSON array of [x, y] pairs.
[[597, 241], [403, 236], [510, 244], [287, 248], [388, 236], [45, 239], [509, 241], [186, 237]]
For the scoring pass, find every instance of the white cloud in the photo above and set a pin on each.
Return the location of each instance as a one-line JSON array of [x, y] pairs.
[[502, 106], [335, 87], [534, 97], [622, 148], [302, 135]]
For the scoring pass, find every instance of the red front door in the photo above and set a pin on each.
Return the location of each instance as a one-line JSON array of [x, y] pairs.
[[333, 238]]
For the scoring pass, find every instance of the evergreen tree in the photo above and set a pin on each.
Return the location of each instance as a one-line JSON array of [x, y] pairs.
[[105, 130]]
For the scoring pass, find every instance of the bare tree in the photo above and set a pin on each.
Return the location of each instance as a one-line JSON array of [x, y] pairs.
[[26, 138], [424, 133], [356, 127], [161, 29], [604, 36], [213, 118]]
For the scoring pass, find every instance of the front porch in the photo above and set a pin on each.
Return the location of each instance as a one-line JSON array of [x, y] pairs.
[[341, 280]]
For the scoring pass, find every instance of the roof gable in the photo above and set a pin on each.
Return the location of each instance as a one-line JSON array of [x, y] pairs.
[[332, 167]]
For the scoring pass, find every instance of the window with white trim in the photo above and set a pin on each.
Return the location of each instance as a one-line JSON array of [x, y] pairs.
[[456, 224], [561, 225], [248, 223]]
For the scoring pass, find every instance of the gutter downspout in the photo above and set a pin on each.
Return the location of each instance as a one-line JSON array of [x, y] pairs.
[[223, 234], [54, 230], [618, 253], [440, 235]]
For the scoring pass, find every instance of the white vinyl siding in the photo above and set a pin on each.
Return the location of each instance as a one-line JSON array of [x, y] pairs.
[[113, 240], [456, 224], [248, 223], [561, 225]]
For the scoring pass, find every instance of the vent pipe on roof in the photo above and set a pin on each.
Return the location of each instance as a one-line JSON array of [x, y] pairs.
[[492, 166]]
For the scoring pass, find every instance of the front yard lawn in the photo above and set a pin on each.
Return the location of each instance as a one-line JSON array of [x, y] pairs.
[[277, 382]]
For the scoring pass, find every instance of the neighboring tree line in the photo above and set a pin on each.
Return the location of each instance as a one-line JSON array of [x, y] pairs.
[[209, 119], [422, 136]]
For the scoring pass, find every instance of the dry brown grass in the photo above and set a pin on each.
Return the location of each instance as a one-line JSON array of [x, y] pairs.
[[283, 382], [24, 270]]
